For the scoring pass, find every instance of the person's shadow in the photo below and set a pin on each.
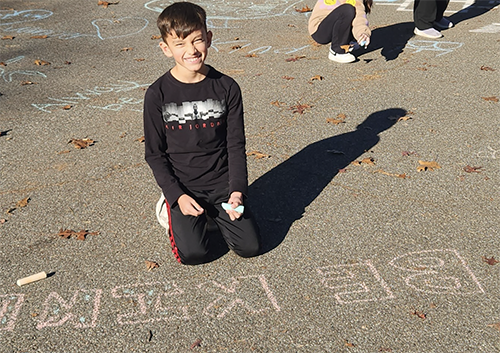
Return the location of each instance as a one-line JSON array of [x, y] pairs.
[[279, 197], [391, 39], [478, 8]]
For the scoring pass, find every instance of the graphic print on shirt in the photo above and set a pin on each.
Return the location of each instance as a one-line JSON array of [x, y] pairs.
[[197, 110]]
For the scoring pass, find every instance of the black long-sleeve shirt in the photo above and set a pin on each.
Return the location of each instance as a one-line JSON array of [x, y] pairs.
[[194, 135]]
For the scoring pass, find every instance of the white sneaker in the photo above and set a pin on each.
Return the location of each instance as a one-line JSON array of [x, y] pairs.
[[428, 33], [162, 213], [443, 23], [341, 58]]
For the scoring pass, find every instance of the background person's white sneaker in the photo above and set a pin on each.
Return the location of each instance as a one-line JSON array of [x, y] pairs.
[[341, 58], [443, 23], [428, 33]]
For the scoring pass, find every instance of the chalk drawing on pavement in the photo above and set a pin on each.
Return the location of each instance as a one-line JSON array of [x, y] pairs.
[[86, 95], [492, 28], [438, 271], [244, 292], [8, 75], [236, 10], [153, 302], [437, 46], [10, 304], [354, 283], [490, 153], [9, 17], [233, 46], [121, 27], [80, 311]]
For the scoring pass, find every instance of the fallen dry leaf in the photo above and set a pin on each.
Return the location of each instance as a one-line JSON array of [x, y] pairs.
[[349, 344], [123, 135], [340, 119], [490, 99], [491, 261], [151, 265], [2, 63], [258, 155], [424, 166], [154, 37], [64, 152], [195, 344], [66, 233], [2, 220], [304, 9], [67, 107], [40, 37], [300, 108], [342, 170], [317, 77], [277, 103], [41, 62], [105, 4], [408, 153], [140, 139], [234, 47], [495, 325], [486, 68], [25, 83], [384, 349], [10, 210], [402, 176], [295, 58], [420, 314], [288, 78], [23, 202], [140, 59], [81, 235], [367, 160], [126, 49], [253, 55], [469, 169], [346, 47], [82, 143], [8, 37]]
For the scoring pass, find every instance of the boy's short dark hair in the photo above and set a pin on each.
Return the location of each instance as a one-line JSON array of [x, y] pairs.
[[183, 18]]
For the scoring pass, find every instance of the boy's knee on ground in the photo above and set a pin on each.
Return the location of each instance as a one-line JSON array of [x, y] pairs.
[[249, 249], [193, 256]]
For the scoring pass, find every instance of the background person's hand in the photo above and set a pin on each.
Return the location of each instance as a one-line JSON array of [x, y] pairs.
[[364, 40]]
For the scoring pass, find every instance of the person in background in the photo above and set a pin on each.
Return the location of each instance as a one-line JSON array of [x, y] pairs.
[[344, 24], [428, 15]]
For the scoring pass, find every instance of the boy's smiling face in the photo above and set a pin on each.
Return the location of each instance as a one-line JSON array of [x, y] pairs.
[[189, 54]]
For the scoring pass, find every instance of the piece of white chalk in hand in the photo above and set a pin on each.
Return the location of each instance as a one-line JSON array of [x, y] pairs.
[[32, 278]]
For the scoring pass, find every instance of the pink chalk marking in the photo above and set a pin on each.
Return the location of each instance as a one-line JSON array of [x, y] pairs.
[[53, 318], [431, 270], [224, 303], [155, 311], [346, 273], [4, 311]]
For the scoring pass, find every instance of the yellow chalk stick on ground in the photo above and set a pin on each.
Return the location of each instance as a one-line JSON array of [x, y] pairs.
[[32, 278]]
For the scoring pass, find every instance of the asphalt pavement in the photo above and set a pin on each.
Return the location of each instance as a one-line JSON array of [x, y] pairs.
[[375, 185]]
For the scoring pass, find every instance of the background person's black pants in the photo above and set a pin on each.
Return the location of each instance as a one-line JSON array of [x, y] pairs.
[[425, 12]]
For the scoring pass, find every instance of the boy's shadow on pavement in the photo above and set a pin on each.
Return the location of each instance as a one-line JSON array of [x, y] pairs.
[[279, 197]]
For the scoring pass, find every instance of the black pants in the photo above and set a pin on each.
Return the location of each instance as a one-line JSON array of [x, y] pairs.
[[425, 12], [336, 28], [191, 242]]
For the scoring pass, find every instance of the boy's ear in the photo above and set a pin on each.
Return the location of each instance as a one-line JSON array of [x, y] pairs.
[[209, 38], [165, 49]]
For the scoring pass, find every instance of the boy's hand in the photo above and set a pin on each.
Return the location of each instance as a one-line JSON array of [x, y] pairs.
[[189, 207], [235, 200]]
